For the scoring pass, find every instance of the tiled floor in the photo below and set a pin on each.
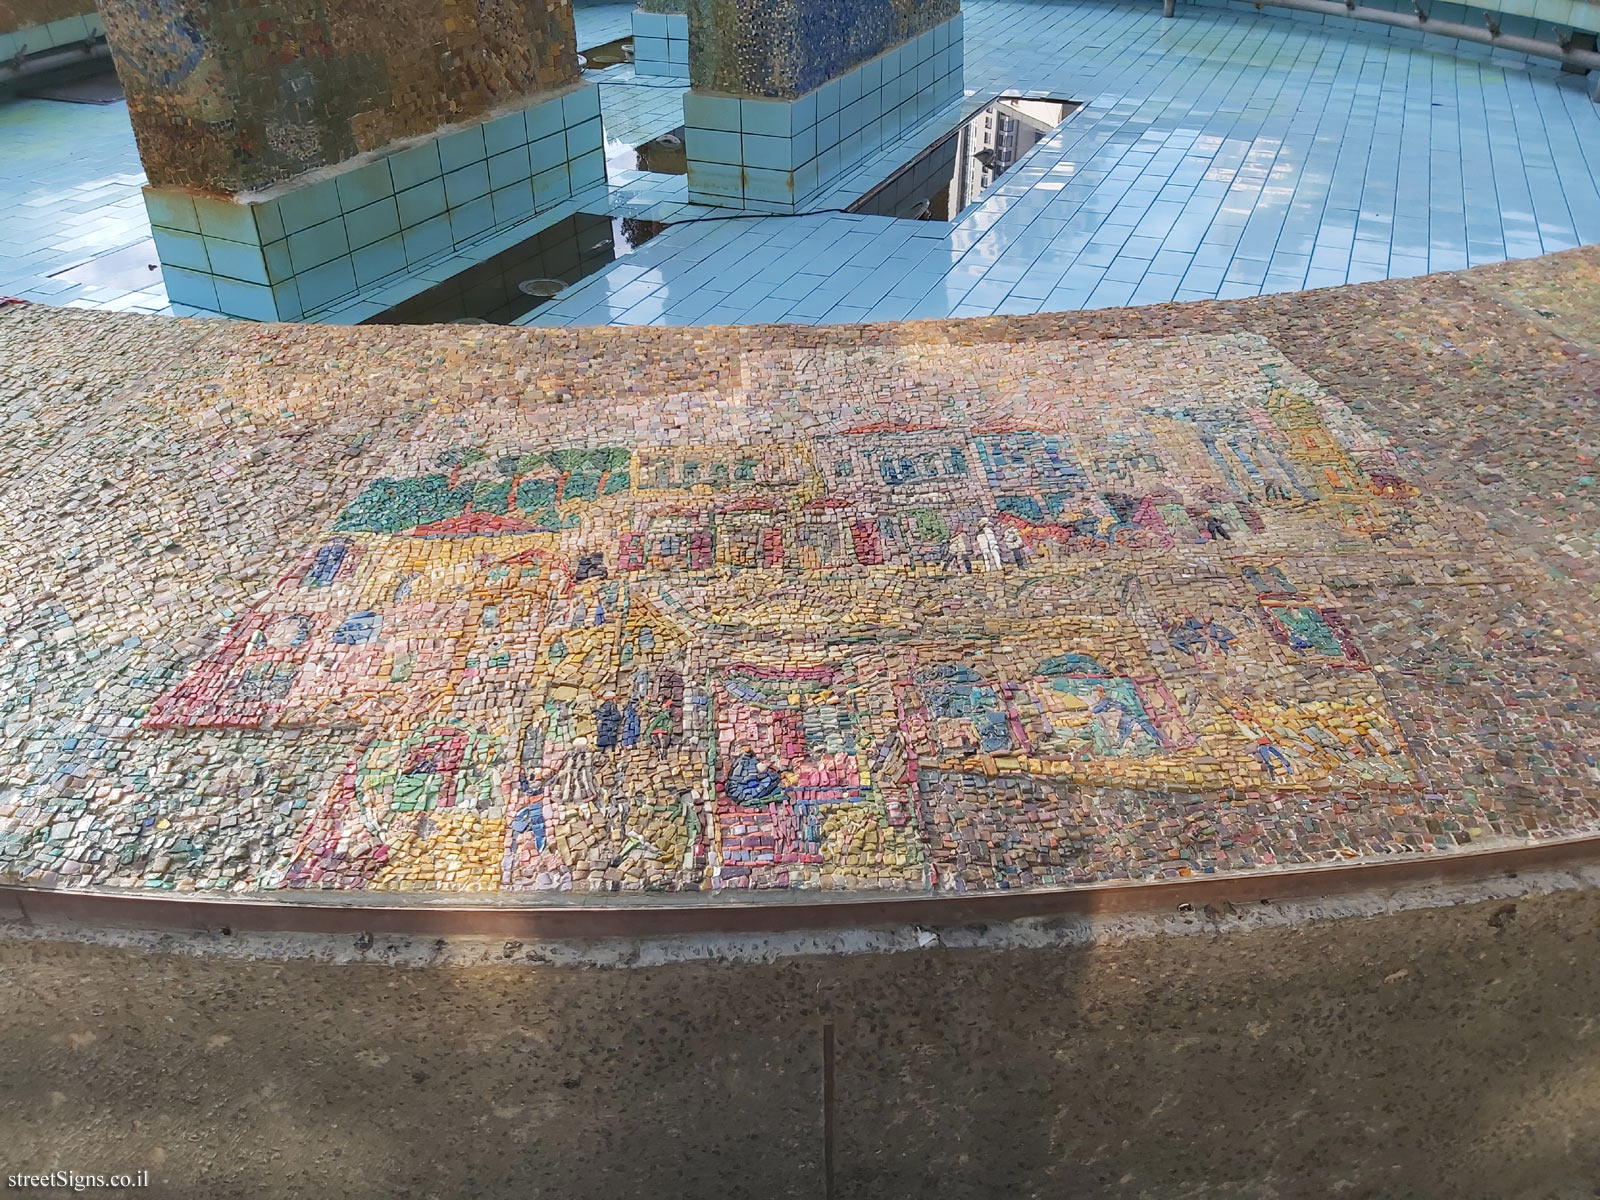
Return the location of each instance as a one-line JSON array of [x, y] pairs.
[[1219, 154], [1267, 158], [601, 23], [69, 193]]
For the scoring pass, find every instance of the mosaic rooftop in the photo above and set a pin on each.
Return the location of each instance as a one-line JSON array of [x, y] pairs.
[[961, 605]]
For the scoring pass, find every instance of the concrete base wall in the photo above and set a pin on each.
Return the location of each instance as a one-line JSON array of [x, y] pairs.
[[1441, 1054], [289, 253], [661, 44], [780, 155]]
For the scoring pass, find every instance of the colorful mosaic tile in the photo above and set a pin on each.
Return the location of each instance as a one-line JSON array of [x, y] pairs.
[[950, 606], [786, 48], [229, 97]]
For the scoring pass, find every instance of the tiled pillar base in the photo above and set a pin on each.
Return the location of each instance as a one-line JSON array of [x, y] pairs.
[[68, 31], [779, 155], [286, 254], [661, 44]]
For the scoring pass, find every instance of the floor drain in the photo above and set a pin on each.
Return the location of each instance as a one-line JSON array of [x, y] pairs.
[[471, 321], [612, 54], [524, 277]]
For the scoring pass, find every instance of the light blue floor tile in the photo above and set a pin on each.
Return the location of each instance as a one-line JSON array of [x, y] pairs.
[[1110, 294], [1222, 153]]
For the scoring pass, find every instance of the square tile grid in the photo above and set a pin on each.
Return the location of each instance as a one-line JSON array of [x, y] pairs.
[[1267, 157], [1222, 153], [597, 24], [777, 155], [321, 242], [661, 45]]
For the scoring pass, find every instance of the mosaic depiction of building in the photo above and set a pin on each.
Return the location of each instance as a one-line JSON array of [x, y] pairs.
[[951, 650]]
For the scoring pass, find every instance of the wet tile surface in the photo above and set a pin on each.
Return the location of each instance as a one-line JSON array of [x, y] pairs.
[[1221, 154], [1217, 155], [945, 606]]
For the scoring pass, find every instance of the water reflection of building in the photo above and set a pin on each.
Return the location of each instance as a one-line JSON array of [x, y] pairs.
[[953, 173], [991, 143]]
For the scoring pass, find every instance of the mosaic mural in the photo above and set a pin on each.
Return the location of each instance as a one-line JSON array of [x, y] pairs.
[[783, 663], [717, 611]]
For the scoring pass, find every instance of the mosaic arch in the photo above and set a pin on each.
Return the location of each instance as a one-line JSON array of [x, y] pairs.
[[837, 655]]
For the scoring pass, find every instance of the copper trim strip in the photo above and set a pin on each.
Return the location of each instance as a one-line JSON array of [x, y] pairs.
[[626, 918]]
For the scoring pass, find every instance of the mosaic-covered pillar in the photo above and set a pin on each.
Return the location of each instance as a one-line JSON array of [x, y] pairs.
[[302, 152], [661, 39], [787, 95]]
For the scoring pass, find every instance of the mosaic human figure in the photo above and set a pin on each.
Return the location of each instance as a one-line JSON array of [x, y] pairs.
[[1015, 548], [529, 819], [1219, 635], [531, 760], [1109, 707], [1188, 637], [608, 725], [576, 784], [696, 847], [617, 811], [1265, 749], [1211, 529], [669, 694], [558, 727], [1201, 638], [696, 710], [531, 858], [989, 546], [630, 724], [959, 549], [325, 566], [639, 683], [660, 731], [752, 782]]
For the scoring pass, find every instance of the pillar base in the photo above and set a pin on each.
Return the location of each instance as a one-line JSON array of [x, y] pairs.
[[286, 254], [661, 44], [65, 33], [781, 155]]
